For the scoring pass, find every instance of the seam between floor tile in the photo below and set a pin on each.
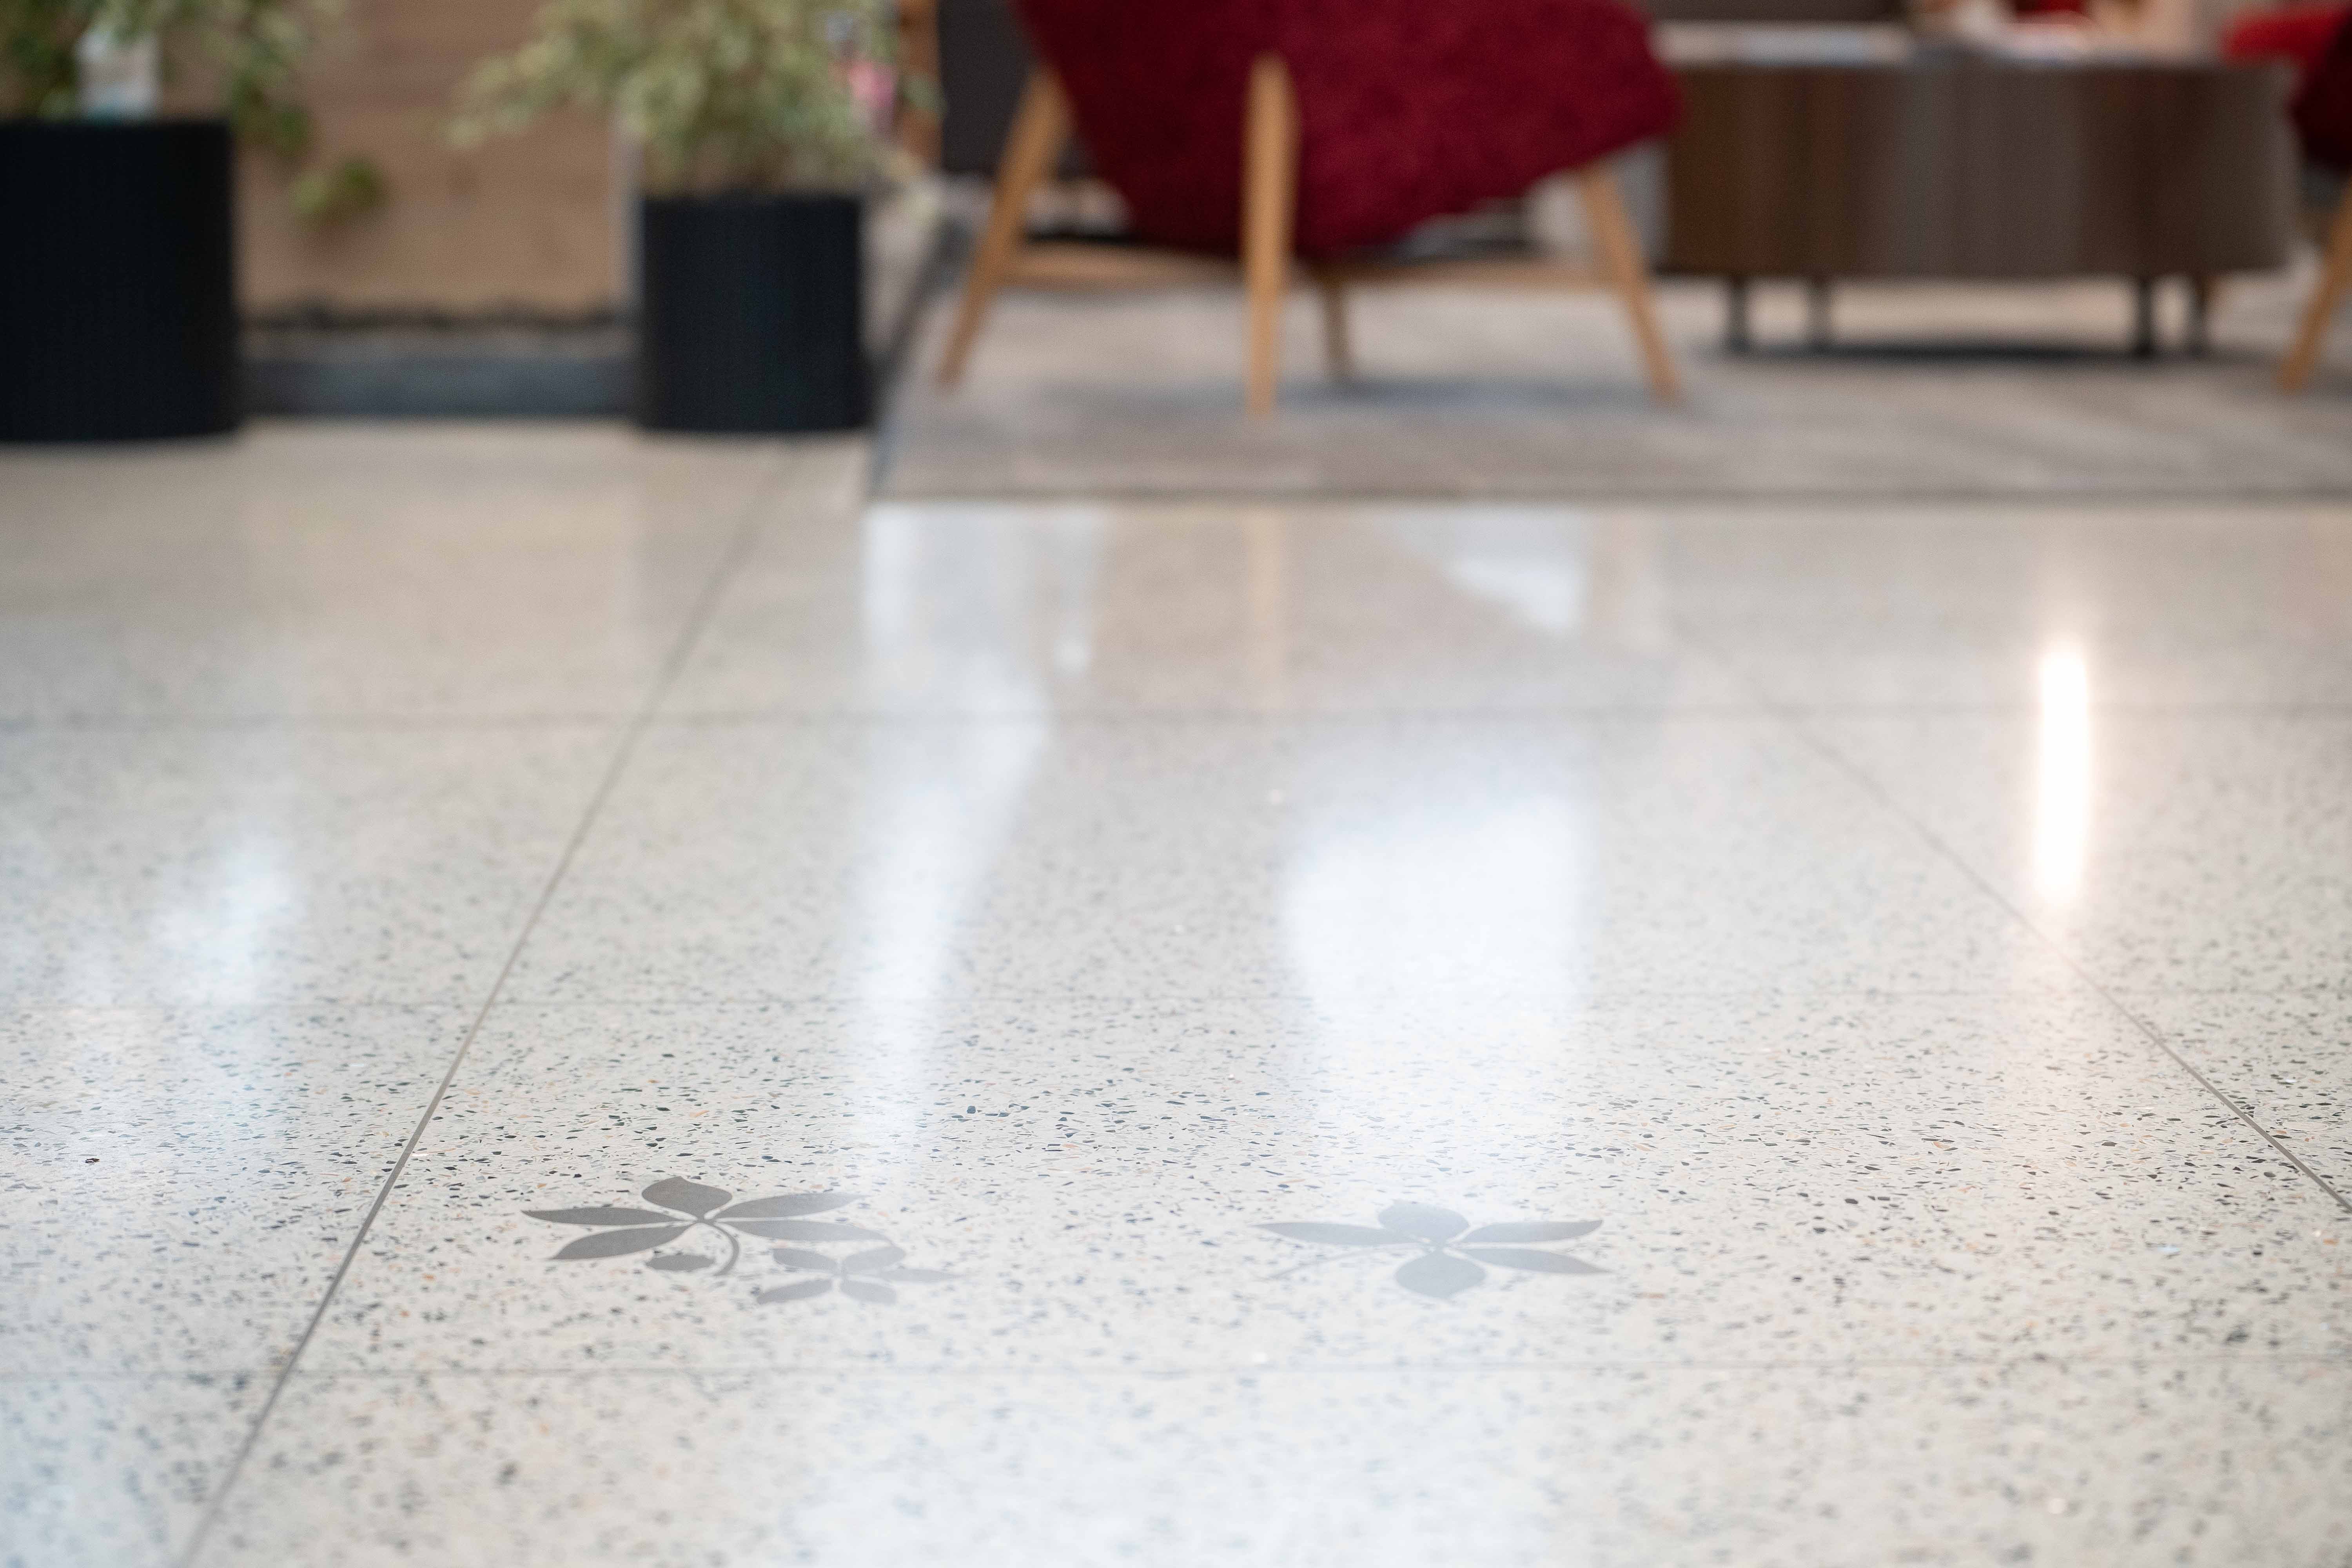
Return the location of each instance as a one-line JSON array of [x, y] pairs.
[[1311, 493], [1935, 842], [746, 532], [1161, 1370]]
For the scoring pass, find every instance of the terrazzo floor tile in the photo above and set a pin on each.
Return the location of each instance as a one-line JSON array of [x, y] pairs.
[[1843, 1467], [114, 1473], [1538, 853], [278, 864], [1092, 1188], [2286, 1058], [182, 1184], [2166, 851], [1874, 606], [1182, 1032], [948, 607], [398, 570]]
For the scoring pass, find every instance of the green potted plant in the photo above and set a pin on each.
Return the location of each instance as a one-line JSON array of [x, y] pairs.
[[118, 299], [757, 124]]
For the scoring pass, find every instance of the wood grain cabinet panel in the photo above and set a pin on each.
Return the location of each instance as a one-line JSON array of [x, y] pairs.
[[1970, 169]]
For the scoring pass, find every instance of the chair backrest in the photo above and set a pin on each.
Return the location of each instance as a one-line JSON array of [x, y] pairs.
[[1821, 13], [984, 57], [1408, 108]]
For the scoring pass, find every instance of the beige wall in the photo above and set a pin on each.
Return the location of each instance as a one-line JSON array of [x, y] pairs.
[[526, 222]]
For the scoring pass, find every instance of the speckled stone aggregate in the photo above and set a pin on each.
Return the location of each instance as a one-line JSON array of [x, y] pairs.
[[1213, 1033]]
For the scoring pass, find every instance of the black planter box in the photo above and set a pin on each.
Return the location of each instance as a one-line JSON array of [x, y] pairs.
[[752, 313], [117, 280]]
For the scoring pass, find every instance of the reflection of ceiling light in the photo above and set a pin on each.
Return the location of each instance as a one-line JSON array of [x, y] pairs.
[[1529, 563], [2061, 811], [1545, 595], [1439, 895]]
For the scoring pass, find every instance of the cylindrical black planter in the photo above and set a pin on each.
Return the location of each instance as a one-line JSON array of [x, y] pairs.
[[117, 280], [752, 313]]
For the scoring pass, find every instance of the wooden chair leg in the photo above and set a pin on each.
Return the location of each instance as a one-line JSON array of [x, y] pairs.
[[1039, 129], [1621, 264], [1338, 356], [1269, 197], [2335, 280]]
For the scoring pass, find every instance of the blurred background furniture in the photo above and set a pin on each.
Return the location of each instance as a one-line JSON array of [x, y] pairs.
[[1311, 129], [2323, 121], [1963, 166], [2299, 35]]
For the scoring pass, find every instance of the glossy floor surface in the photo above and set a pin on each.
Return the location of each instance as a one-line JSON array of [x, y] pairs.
[[574, 1000]]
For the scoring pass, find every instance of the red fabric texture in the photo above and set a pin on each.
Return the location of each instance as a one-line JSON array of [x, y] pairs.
[[1408, 110], [2298, 34], [2322, 105]]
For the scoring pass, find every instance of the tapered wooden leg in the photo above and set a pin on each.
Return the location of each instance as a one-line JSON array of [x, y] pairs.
[[2334, 280], [1269, 194], [1339, 357], [1039, 129], [1621, 264]]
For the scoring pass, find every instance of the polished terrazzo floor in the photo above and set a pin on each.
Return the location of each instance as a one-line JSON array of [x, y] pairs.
[[569, 999]]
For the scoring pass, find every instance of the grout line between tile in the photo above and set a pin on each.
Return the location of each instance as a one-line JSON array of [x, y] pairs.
[[1597, 714], [1107, 714], [1597, 996], [738, 548], [329, 723], [800, 1370], [1795, 721], [1316, 494]]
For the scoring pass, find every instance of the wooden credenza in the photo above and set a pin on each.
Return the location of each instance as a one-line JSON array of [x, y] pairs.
[[1970, 167]]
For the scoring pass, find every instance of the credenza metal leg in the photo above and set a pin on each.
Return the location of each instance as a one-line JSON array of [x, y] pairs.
[[1817, 314], [1736, 339], [2201, 314]]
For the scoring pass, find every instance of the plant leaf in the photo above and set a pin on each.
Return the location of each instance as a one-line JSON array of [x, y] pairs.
[[1535, 1230], [799, 1291], [1338, 1235], [1439, 1274], [801, 1258], [916, 1276], [801, 1229], [601, 1216], [873, 1260], [867, 1290], [1529, 1258], [685, 1196], [1423, 1221], [679, 1262], [619, 1243], [784, 1207]]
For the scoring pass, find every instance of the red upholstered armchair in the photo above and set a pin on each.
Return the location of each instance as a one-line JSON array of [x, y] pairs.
[[2323, 119], [1321, 130]]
